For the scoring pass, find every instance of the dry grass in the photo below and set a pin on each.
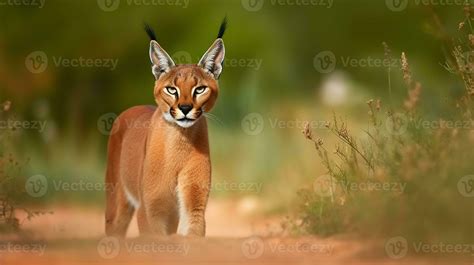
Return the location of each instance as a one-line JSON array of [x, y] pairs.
[[406, 176]]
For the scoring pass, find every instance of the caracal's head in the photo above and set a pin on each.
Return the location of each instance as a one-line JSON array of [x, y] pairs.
[[185, 92]]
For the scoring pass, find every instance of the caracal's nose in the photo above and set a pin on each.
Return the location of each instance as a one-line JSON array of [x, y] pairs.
[[185, 108]]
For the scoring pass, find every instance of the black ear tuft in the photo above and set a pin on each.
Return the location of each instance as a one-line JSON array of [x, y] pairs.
[[222, 28], [150, 32]]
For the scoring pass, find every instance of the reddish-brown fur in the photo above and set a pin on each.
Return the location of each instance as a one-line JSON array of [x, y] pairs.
[[165, 167]]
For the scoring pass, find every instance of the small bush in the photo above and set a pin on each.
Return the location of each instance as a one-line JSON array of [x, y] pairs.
[[408, 175]]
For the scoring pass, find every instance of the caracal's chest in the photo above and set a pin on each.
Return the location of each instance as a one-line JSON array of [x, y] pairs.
[[170, 150]]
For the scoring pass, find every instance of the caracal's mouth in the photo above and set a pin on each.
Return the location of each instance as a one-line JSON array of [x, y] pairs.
[[185, 119], [185, 122]]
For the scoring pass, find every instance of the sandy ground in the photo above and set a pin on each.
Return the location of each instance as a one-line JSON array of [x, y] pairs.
[[237, 234], [225, 218]]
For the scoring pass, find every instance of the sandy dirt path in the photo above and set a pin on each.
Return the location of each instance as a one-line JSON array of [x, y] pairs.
[[236, 235]]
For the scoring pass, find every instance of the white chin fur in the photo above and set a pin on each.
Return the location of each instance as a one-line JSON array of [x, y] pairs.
[[168, 117], [185, 124]]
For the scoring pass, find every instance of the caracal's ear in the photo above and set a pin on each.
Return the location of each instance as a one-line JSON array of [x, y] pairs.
[[160, 59], [212, 60]]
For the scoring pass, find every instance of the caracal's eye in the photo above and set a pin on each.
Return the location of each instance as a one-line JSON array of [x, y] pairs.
[[171, 90], [200, 90]]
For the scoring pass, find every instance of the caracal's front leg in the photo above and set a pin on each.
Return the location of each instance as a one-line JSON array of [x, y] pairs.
[[192, 192], [160, 210]]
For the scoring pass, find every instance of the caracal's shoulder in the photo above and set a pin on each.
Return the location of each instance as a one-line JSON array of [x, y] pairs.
[[137, 111]]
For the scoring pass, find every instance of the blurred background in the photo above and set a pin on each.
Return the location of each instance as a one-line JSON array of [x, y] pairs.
[[67, 68]]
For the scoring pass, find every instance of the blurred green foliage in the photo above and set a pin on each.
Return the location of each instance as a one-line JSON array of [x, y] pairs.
[[285, 38], [286, 86]]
